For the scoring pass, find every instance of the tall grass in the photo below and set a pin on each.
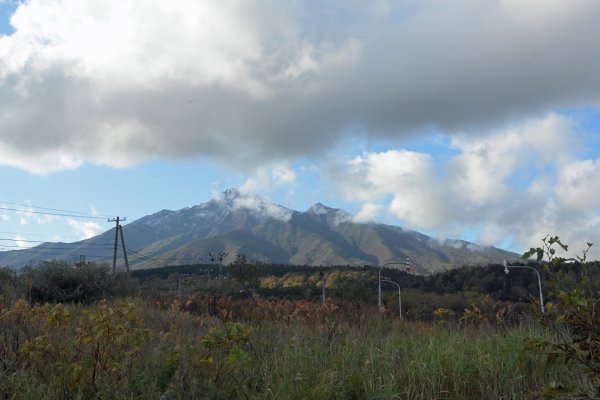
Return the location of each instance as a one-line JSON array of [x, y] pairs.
[[391, 360], [132, 349]]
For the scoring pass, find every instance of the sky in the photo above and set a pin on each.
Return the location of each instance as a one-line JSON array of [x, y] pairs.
[[460, 119]]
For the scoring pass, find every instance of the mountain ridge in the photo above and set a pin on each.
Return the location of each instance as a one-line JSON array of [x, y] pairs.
[[239, 222]]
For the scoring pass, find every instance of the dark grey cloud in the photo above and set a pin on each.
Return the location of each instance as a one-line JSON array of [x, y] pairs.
[[275, 81]]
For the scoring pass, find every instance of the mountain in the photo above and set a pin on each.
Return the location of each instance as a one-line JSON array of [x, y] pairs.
[[237, 222]]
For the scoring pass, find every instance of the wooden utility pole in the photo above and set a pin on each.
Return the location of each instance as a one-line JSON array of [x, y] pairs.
[[117, 232], [124, 248]]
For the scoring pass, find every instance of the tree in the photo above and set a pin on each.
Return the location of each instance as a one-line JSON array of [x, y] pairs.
[[572, 316], [247, 274]]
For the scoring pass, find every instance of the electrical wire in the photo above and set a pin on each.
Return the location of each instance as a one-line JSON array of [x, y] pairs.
[[41, 247], [135, 253], [146, 229], [42, 241], [46, 247], [40, 234], [49, 213], [57, 209]]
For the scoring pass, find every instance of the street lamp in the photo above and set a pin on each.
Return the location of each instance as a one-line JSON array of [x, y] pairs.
[[407, 264], [506, 267], [399, 296], [323, 283], [218, 257]]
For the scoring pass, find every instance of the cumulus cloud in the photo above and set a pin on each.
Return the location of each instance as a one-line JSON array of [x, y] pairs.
[[369, 212], [85, 229], [246, 82], [263, 207], [409, 176], [578, 185], [28, 215], [518, 182], [268, 178], [242, 198], [21, 242]]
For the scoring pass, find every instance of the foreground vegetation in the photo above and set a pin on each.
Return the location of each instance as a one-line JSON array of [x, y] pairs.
[[202, 348], [82, 333]]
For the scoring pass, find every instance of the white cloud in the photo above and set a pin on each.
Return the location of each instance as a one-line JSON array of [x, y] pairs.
[[248, 82], [85, 229], [517, 183], [481, 171], [28, 215], [244, 199], [407, 176], [368, 213], [578, 185], [21, 242], [273, 177]]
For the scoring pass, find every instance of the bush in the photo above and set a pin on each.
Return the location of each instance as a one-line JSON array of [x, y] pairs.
[[59, 282], [572, 318]]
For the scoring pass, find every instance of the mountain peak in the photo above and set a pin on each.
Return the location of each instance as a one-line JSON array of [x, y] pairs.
[[335, 215], [232, 192], [236, 199], [319, 208]]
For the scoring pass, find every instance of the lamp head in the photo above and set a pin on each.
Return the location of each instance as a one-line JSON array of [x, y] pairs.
[[505, 267]]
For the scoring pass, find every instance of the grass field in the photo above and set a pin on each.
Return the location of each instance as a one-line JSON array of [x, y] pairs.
[[258, 349]]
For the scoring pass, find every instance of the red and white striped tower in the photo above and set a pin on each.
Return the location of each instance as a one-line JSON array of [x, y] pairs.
[[407, 264]]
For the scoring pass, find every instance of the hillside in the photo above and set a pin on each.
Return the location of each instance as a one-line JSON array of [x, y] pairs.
[[241, 223]]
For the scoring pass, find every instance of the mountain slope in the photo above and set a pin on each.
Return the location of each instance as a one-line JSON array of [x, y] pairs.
[[241, 223]]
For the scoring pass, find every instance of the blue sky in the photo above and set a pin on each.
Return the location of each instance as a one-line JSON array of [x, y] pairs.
[[453, 118]]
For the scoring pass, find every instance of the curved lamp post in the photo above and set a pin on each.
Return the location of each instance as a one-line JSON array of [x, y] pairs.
[[399, 296], [506, 267], [407, 263]]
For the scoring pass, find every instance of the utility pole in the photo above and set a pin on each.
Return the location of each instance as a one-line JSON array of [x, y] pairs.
[[117, 232], [124, 249]]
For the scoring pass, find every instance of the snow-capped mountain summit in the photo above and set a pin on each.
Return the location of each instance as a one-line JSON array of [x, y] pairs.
[[229, 210], [239, 222], [329, 215]]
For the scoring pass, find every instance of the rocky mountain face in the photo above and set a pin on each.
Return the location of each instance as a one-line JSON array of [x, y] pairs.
[[240, 223]]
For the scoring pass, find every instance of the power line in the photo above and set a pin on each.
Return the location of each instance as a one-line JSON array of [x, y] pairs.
[[42, 241], [50, 213], [40, 234], [158, 260], [49, 248], [146, 257], [146, 229], [56, 209]]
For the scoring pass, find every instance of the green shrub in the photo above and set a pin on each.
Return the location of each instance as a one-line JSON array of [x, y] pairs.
[[572, 319], [59, 282]]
